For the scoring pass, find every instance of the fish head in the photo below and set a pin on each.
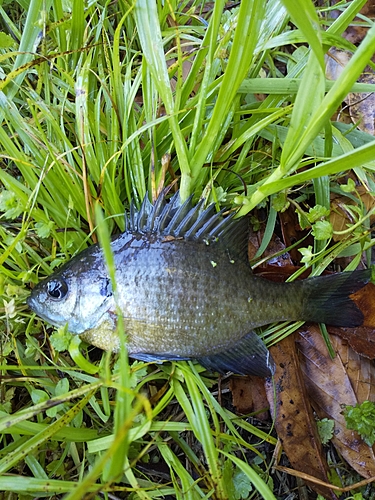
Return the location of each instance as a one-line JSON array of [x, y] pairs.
[[82, 300]]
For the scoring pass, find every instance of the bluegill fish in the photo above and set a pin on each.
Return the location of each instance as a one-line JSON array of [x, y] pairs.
[[186, 291]]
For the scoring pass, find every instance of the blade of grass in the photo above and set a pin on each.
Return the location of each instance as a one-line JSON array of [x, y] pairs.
[[209, 41], [77, 30], [124, 396], [146, 17], [35, 442], [104, 461], [306, 18], [290, 86], [8, 421], [309, 97], [196, 415], [29, 485], [346, 16], [250, 17], [31, 36], [32, 428], [184, 484]]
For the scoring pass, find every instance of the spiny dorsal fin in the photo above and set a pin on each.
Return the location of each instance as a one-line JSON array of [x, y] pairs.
[[191, 222]]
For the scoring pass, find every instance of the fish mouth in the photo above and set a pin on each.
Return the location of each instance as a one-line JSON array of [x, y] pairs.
[[30, 302], [53, 318], [34, 304], [36, 308]]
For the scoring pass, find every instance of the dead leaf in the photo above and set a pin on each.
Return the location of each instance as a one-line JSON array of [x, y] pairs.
[[355, 33], [292, 232], [365, 301], [279, 273], [275, 246], [361, 373], [340, 216], [360, 339], [361, 105], [249, 395], [294, 419], [332, 384]]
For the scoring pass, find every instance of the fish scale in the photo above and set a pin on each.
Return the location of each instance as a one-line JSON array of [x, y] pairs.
[[186, 291]]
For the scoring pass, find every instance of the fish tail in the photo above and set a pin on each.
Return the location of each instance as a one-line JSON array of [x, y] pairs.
[[326, 299]]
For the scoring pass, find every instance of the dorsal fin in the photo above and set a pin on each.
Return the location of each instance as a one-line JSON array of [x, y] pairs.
[[191, 222]]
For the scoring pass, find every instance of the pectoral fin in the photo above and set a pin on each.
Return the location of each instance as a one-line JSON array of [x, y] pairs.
[[249, 356]]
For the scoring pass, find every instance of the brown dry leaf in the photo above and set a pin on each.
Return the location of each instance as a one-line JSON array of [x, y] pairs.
[[292, 232], [249, 395], [275, 246], [333, 384], [340, 217], [362, 338], [279, 273], [361, 105], [294, 419], [365, 301], [355, 33], [360, 371]]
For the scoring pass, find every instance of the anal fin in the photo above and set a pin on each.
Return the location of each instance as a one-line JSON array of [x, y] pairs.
[[249, 356], [157, 358]]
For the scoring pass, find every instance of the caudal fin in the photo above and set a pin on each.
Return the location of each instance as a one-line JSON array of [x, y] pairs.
[[326, 299]]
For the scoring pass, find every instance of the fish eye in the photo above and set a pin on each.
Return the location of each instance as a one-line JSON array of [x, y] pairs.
[[57, 289]]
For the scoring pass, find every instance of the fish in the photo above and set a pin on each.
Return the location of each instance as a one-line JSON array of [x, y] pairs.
[[185, 290]]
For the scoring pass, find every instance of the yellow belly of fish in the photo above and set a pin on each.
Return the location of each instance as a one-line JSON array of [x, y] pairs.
[[105, 337]]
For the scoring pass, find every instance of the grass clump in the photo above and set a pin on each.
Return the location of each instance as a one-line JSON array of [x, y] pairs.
[[99, 104]]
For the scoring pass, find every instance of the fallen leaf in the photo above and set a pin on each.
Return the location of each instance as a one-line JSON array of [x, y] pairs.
[[361, 339], [292, 233], [280, 273], [249, 395], [361, 105], [365, 301], [334, 383], [340, 216], [360, 371], [294, 419], [355, 33]]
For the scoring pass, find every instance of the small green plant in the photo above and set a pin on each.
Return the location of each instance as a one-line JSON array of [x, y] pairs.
[[325, 429], [361, 418]]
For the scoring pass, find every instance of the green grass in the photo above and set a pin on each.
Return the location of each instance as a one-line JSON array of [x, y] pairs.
[[89, 121]]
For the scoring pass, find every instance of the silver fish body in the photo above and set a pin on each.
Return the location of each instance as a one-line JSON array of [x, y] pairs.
[[186, 290]]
